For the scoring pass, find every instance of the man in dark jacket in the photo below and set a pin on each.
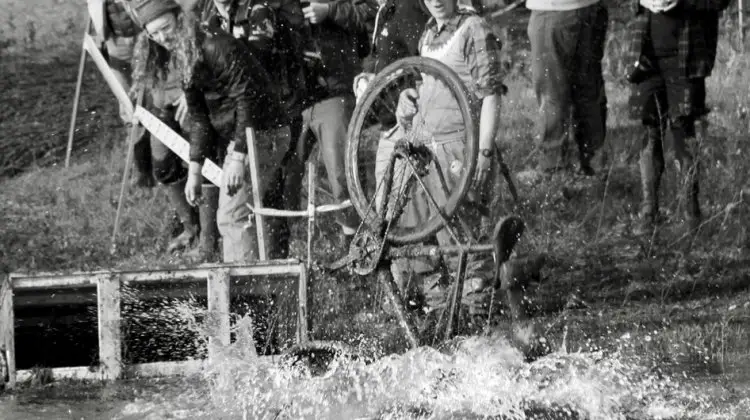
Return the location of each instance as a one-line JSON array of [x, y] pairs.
[[339, 32], [273, 31], [227, 91], [673, 46]]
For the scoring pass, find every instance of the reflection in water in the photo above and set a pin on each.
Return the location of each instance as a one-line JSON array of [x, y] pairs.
[[482, 377]]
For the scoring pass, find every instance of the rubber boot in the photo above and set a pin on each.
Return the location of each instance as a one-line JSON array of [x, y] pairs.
[[651, 164], [693, 215], [188, 217], [208, 242], [142, 168]]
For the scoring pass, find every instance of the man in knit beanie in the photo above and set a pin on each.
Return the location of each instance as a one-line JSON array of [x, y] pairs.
[[567, 46]]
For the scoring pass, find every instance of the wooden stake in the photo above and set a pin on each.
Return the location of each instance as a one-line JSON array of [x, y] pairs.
[[303, 328], [252, 154], [110, 334], [7, 336], [133, 138], [77, 97], [219, 334]]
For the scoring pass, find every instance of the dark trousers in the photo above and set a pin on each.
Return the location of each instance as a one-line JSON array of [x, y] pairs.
[[667, 99], [668, 96], [566, 51], [327, 123]]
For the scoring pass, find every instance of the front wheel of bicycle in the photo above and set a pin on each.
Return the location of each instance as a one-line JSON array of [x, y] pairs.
[[444, 182]]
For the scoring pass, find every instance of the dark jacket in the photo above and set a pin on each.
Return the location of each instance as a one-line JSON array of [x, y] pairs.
[[272, 28], [400, 24], [697, 37], [228, 92], [349, 23]]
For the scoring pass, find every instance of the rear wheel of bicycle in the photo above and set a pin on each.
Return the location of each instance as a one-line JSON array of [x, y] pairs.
[[374, 115]]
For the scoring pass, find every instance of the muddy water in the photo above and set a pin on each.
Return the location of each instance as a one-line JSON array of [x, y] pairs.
[[481, 378]]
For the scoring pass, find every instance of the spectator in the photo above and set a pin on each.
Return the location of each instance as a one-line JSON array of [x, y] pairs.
[[567, 46], [116, 32], [153, 160], [339, 33], [227, 91], [464, 41], [273, 30], [673, 43]]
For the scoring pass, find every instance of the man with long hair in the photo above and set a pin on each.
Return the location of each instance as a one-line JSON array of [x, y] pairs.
[[227, 91], [116, 27]]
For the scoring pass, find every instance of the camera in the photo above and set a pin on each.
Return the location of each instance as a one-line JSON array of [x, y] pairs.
[[641, 70]]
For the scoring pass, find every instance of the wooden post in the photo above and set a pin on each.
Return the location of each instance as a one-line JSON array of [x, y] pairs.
[[302, 306], [77, 96], [110, 334], [7, 336], [219, 334], [126, 173], [252, 154]]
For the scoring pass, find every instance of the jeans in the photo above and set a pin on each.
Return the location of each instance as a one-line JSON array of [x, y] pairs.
[[233, 216], [566, 50]]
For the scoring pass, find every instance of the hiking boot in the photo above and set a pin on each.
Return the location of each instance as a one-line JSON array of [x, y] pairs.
[[208, 241], [187, 215]]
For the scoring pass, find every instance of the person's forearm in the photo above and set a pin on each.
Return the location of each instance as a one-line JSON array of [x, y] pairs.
[[489, 121]]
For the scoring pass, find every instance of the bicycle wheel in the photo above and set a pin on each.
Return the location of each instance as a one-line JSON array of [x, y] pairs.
[[437, 191]]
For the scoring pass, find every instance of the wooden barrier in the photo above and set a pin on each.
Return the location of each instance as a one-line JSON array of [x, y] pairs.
[[108, 286]]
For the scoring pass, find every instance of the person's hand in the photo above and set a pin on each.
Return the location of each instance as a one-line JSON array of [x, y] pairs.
[[360, 84], [234, 173], [407, 105], [484, 165], [182, 109], [193, 184], [316, 12]]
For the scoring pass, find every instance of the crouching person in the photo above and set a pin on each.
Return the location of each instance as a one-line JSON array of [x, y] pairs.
[[227, 91]]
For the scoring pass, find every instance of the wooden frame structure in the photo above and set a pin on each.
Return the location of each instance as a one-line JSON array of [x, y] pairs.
[[108, 286]]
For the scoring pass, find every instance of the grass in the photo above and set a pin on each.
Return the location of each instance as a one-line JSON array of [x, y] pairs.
[[683, 300]]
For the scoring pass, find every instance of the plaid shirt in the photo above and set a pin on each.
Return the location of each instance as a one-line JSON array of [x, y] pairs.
[[697, 37], [481, 50]]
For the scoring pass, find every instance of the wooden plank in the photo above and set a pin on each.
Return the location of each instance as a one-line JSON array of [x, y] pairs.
[[302, 307], [109, 76], [176, 143], [144, 370], [110, 335], [23, 281], [252, 155], [7, 336], [219, 332]]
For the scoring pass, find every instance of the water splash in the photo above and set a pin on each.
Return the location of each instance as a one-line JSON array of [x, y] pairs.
[[481, 377]]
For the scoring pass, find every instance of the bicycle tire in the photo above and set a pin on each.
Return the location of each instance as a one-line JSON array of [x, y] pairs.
[[359, 120]]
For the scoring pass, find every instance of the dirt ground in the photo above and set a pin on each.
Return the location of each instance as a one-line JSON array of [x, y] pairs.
[[682, 300]]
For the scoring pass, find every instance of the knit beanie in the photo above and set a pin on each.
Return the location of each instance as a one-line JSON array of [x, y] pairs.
[[144, 11]]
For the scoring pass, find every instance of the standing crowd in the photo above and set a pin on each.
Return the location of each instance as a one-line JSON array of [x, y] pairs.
[[288, 69]]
